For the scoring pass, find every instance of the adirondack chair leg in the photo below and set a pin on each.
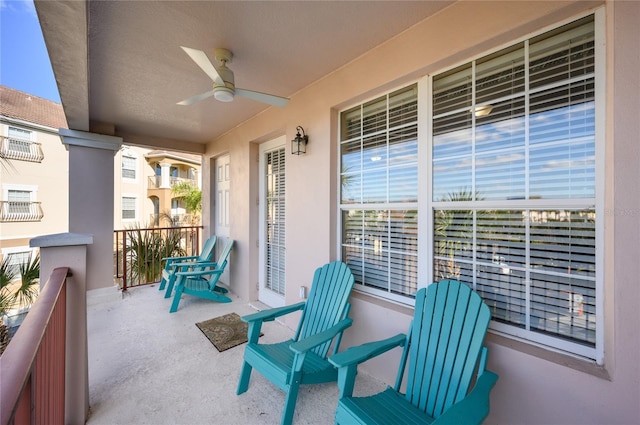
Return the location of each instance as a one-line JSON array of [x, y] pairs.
[[163, 283], [176, 299], [171, 283], [245, 374], [290, 403]]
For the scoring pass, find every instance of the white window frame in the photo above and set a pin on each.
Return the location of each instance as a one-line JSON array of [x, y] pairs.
[[130, 155], [31, 252], [386, 205], [30, 150], [135, 200], [426, 204]]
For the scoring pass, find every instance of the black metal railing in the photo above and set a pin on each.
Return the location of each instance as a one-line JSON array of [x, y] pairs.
[[139, 253]]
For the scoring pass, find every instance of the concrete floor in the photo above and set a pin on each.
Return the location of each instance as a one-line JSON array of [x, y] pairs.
[[147, 366]]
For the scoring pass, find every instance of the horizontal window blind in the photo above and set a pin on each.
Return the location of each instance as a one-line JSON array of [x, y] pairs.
[[379, 192], [275, 180], [513, 184]]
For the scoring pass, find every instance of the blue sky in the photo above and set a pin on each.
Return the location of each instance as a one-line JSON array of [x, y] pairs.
[[24, 62]]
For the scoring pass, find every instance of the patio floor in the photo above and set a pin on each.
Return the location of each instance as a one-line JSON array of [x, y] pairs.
[[147, 366]]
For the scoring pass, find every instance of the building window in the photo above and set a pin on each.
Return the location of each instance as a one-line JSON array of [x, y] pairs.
[[20, 204], [379, 192], [19, 201], [19, 145], [128, 208], [16, 259], [508, 192], [128, 167], [513, 185]]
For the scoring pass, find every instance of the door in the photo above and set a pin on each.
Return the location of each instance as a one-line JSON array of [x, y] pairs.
[[222, 186], [272, 222]]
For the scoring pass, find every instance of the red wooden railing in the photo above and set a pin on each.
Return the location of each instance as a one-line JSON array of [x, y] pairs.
[[32, 388]]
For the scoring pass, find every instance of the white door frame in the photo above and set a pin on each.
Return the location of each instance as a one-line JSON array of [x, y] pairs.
[[266, 295], [221, 227]]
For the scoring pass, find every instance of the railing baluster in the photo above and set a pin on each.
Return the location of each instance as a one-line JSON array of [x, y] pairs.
[[33, 365], [137, 261]]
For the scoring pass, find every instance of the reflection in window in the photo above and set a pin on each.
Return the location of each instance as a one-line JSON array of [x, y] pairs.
[[379, 191], [513, 179]]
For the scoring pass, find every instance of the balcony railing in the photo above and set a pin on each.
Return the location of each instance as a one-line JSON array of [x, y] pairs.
[[20, 211], [22, 150], [32, 388], [138, 253], [155, 182]]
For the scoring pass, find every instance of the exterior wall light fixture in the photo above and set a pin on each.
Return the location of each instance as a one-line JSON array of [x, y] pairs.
[[299, 144]]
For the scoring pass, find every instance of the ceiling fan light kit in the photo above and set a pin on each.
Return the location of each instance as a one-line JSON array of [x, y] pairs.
[[223, 94], [224, 88]]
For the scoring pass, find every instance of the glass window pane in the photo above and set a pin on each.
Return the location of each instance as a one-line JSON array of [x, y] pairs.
[[452, 179], [374, 116], [500, 74], [535, 268], [501, 175], [452, 90]]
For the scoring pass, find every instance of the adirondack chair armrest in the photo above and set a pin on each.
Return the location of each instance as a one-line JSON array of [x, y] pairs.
[[474, 408], [347, 361], [202, 263], [193, 263], [271, 314], [312, 341], [364, 352], [193, 273], [188, 257]]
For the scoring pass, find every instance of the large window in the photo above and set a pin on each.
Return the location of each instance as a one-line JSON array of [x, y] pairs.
[[509, 199], [379, 193], [513, 184]]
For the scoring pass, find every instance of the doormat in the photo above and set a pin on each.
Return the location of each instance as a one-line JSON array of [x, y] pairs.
[[225, 332]]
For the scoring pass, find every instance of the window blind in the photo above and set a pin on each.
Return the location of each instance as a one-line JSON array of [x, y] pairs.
[[492, 173]]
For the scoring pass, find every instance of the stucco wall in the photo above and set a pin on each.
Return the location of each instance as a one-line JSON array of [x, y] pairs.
[[49, 177], [532, 388]]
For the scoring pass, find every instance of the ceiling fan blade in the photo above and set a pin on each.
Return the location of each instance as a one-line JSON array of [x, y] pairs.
[[201, 59], [196, 98], [271, 99]]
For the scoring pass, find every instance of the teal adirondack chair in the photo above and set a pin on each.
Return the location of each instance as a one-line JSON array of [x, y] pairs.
[[203, 282], [303, 359], [443, 349], [172, 264]]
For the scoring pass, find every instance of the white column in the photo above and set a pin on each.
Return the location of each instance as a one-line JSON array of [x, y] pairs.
[[91, 181], [165, 176]]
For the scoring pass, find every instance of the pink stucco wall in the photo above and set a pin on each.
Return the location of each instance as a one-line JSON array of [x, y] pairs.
[[533, 388]]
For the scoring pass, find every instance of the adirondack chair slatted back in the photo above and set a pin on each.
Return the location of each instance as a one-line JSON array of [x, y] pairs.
[[224, 255], [207, 249], [327, 302], [449, 325]]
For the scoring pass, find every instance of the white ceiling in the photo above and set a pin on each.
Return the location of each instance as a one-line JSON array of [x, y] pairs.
[[136, 71]]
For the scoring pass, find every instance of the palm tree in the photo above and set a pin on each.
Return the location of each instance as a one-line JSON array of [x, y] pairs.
[[12, 295], [191, 196]]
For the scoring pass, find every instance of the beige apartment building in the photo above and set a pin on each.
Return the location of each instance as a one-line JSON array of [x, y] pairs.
[[143, 187], [34, 177], [34, 172]]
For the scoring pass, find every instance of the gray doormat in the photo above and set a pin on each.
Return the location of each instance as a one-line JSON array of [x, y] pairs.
[[225, 332]]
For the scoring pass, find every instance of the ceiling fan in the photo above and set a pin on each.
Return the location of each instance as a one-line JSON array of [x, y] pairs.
[[224, 88]]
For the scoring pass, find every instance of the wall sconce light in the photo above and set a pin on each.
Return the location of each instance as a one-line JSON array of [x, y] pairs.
[[299, 144]]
